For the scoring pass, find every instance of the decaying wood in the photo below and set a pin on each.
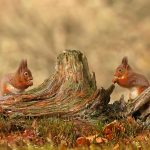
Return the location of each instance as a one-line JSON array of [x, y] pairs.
[[70, 92], [140, 107]]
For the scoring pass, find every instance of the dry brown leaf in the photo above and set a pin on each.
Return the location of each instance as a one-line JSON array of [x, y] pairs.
[[100, 140], [96, 139], [91, 138], [141, 137], [28, 134], [112, 128], [82, 141]]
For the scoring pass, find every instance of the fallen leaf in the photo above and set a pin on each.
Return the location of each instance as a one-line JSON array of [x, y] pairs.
[[82, 141], [112, 128], [28, 134], [91, 138], [100, 140]]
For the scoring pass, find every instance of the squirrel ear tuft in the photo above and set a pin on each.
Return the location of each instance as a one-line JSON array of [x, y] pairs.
[[125, 61], [25, 63]]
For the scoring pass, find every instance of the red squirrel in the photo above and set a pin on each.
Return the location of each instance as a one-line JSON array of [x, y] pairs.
[[127, 78], [17, 82]]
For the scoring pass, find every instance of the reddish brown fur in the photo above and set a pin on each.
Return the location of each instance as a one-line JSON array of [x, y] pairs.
[[17, 82], [141, 89], [127, 78]]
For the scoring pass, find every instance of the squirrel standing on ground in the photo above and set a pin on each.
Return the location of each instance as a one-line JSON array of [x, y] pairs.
[[17, 82], [127, 78]]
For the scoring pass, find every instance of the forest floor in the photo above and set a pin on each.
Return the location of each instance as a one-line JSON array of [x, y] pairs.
[[55, 133]]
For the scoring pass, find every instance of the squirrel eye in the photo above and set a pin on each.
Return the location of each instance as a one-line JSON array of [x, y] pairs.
[[26, 73], [120, 70]]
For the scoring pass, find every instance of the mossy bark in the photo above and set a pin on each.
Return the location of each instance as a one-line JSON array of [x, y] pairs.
[[70, 92]]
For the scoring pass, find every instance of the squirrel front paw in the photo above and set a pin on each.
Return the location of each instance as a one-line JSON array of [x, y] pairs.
[[114, 80]]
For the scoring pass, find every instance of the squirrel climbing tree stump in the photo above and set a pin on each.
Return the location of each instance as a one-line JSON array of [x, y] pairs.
[[69, 92]]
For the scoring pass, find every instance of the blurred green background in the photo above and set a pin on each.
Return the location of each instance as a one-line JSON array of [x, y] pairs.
[[105, 30]]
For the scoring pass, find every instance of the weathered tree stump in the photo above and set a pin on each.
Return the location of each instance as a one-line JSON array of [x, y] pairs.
[[70, 92]]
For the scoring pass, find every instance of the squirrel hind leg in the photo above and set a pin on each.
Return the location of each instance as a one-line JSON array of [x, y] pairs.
[[134, 92], [141, 89]]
